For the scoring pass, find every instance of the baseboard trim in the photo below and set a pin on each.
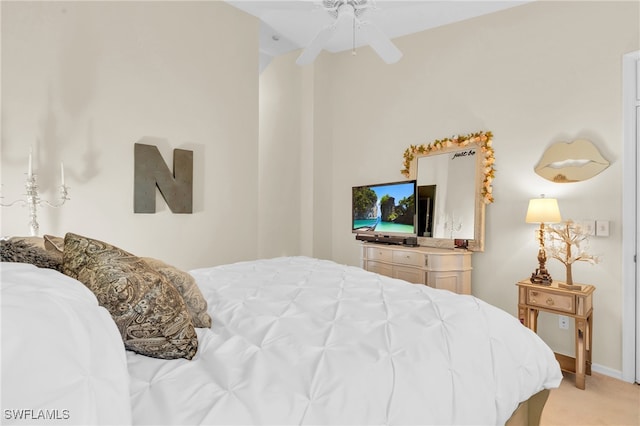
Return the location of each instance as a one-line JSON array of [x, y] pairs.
[[601, 369]]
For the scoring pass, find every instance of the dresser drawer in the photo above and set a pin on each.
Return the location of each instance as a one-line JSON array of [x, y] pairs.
[[553, 301], [413, 275], [380, 268], [383, 255], [408, 258]]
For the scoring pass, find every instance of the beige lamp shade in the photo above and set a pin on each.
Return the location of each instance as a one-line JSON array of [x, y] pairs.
[[543, 210]]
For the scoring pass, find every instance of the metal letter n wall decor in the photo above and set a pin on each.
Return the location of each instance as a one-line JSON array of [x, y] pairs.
[[152, 171]]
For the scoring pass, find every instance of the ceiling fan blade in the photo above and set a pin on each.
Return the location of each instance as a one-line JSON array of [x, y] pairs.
[[310, 52], [379, 42]]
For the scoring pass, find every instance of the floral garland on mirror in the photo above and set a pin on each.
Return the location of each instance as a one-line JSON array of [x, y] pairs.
[[484, 139]]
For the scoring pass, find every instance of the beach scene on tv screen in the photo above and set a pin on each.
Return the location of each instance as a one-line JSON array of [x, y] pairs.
[[384, 208]]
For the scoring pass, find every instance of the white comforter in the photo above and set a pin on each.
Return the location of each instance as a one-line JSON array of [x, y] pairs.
[[306, 341], [63, 360]]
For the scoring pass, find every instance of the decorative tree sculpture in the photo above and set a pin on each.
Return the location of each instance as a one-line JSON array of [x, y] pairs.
[[568, 244]]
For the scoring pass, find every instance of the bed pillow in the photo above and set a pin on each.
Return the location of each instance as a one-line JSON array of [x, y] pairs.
[[188, 289], [182, 281], [29, 250], [54, 244], [151, 316]]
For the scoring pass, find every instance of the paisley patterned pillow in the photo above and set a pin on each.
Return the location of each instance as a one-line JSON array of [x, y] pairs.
[[186, 285], [182, 281], [54, 244], [29, 250], [149, 312]]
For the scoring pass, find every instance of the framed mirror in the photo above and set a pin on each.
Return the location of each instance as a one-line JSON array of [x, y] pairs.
[[454, 184]]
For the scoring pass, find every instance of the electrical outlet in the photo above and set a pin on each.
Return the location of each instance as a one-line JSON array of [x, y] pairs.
[[563, 322]]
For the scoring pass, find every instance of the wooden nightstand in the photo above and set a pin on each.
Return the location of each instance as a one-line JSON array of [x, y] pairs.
[[577, 304]]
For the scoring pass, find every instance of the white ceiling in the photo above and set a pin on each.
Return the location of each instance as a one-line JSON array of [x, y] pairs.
[[290, 25]]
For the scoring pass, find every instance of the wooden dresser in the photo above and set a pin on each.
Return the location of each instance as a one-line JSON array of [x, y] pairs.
[[435, 267]]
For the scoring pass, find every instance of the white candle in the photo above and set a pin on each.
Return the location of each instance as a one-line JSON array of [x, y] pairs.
[[30, 169], [62, 172]]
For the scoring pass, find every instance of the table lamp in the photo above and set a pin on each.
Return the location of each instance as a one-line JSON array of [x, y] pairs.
[[542, 210]]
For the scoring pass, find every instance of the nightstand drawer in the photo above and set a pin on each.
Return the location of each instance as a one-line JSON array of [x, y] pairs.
[[408, 258], [549, 300]]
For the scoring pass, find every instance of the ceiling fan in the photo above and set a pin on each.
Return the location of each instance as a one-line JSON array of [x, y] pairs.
[[348, 13]]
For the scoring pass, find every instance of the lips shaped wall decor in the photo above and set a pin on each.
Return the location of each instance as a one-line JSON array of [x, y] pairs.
[[565, 162]]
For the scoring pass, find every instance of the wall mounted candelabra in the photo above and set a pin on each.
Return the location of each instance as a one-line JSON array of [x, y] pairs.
[[32, 197]]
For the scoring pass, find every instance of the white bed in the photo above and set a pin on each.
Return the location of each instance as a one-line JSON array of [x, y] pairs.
[[294, 341]]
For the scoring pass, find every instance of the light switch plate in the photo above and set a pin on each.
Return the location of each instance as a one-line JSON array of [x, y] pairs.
[[589, 226], [602, 228]]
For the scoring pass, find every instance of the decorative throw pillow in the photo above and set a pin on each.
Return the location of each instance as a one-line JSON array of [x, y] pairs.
[[149, 312], [54, 244], [29, 250], [182, 281], [187, 287]]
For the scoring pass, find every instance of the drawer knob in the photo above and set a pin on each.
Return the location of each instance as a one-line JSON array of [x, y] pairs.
[[550, 301]]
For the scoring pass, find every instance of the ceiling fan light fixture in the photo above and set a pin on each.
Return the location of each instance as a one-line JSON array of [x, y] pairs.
[[346, 10], [341, 10]]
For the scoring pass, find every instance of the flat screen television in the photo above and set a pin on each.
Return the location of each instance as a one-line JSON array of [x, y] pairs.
[[385, 209]]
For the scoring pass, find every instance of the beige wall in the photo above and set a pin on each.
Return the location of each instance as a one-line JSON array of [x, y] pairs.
[[533, 75], [295, 158], [83, 81], [281, 126]]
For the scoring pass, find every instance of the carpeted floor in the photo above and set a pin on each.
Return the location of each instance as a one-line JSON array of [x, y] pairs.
[[605, 401]]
